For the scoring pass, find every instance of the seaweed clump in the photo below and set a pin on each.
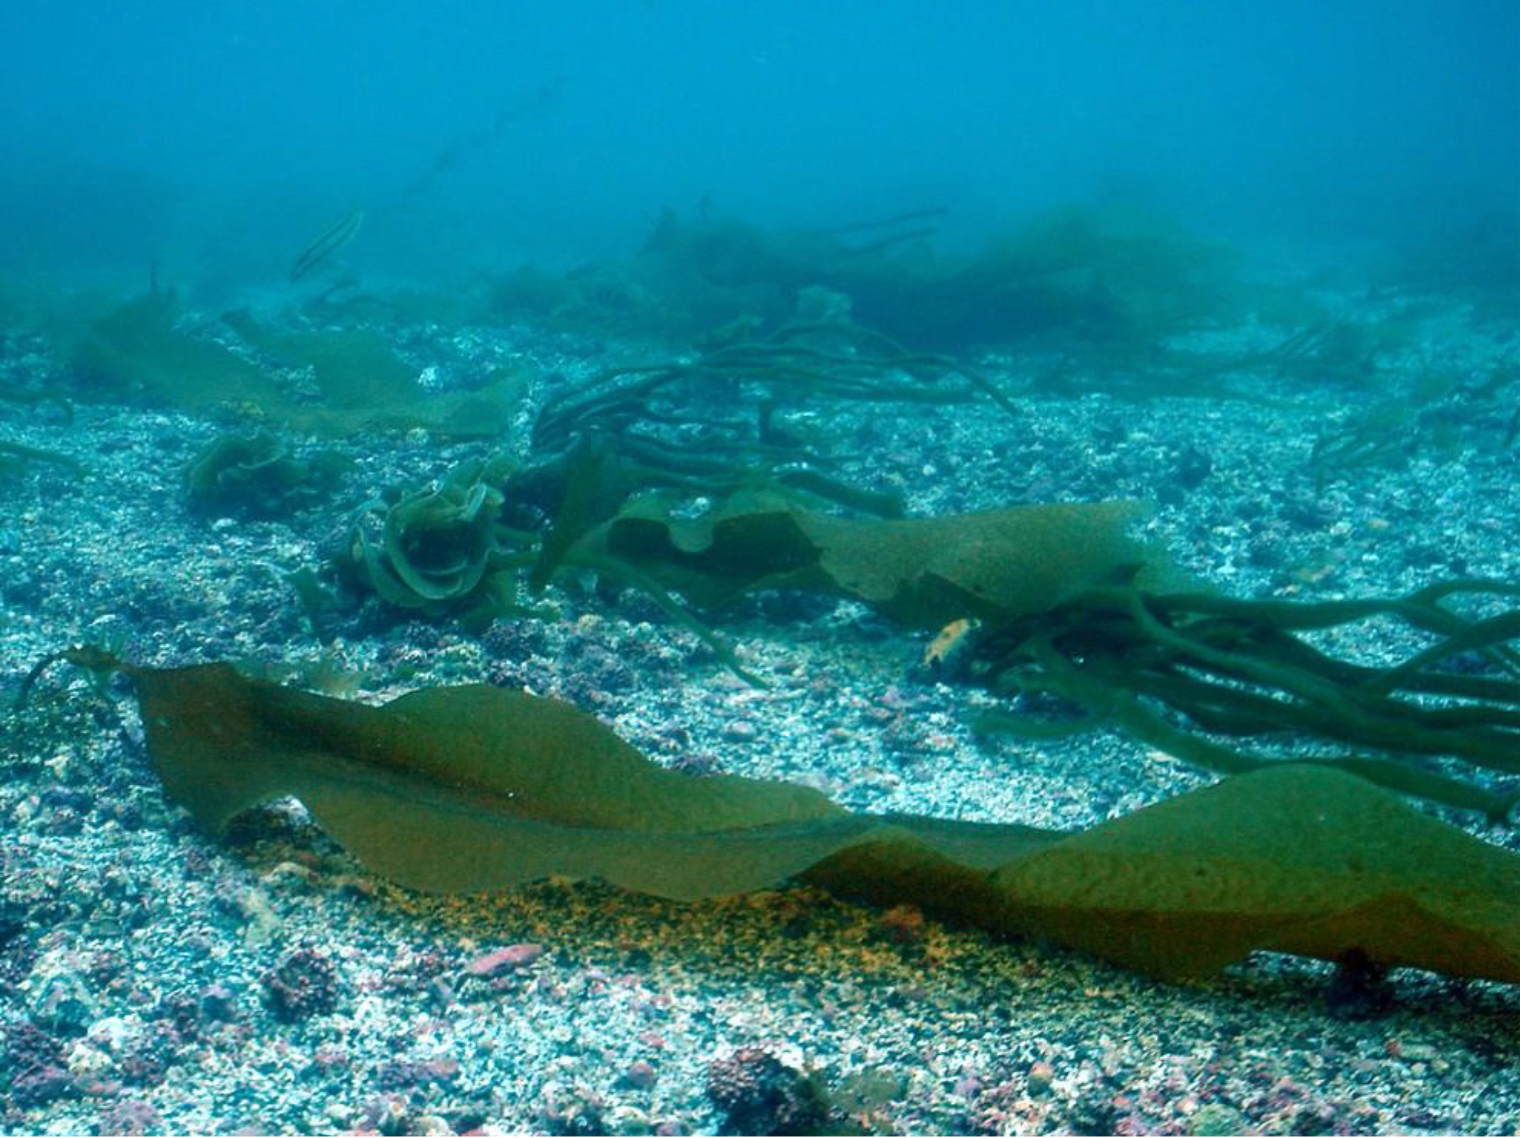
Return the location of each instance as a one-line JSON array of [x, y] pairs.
[[1098, 282], [257, 476], [440, 550], [138, 349]]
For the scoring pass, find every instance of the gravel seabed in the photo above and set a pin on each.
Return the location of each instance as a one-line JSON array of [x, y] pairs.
[[143, 965]]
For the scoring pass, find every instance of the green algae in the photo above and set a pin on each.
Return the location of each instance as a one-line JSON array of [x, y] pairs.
[[467, 789], [441, 550], [366, 387], [257, 476], [139, 351], [354, 368]]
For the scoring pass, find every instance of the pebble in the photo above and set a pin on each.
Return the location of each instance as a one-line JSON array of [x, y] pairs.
[[508, 959], [741, 731]]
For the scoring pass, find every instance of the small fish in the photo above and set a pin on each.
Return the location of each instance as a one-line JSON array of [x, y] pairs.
[[946, 653], [328, 244]]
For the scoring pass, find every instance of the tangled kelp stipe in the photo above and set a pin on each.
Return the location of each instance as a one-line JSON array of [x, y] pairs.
[[466, 789], [834, 359], [1240, 668]]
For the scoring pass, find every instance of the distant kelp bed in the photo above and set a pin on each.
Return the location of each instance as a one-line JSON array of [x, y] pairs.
[[706, 467]]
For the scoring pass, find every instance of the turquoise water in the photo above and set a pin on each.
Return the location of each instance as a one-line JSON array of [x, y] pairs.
[[209, 135]]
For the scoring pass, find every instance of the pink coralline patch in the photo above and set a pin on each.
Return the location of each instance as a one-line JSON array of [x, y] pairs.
[[508, 959]]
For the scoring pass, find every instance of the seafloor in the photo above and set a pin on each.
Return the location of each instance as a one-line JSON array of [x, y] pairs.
[[153, 979]]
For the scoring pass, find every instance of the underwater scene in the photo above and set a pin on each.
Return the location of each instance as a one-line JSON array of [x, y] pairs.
[[674, 568]]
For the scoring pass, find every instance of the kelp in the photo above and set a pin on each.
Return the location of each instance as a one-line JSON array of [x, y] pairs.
[[441, 550], [366, 387], [258, 476], [1337, 349], [589, 485], [1064, 602], [1240, 669], [455, 550], [798, 364], [14, 456], [1076, 278], [924, 572], [467, 789], [1439, 414], [354, 368], [138, 350]]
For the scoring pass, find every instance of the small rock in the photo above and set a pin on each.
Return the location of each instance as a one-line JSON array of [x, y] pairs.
[[1041, 1075], [640, 1075], [112, 1033], [218, 1004], [508, 959], [741, 731], [41, 1085]]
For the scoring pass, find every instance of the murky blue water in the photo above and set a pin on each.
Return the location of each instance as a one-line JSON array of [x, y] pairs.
[[219, 137]]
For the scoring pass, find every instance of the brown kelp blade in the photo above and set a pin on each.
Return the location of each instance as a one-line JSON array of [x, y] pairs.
[[925, 572], [474, 788], [136, 349]]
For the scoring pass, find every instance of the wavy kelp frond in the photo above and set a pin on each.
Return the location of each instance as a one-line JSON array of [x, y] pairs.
[[592, 482], [257, 476], [354, 368], [924, 572], [474, 788], [138, 351], [1240, 668], [1067, 603]]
